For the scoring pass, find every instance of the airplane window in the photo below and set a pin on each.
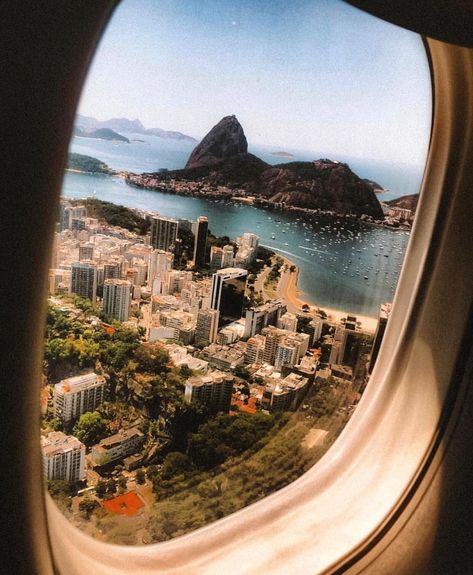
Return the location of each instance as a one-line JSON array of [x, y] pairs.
[[240, 192]]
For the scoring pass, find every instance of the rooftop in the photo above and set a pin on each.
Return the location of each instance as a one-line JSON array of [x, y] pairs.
[[74, 383], [58, 442]]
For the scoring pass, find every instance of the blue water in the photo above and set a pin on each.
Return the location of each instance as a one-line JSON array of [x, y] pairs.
[[344, 265], [154, 153]]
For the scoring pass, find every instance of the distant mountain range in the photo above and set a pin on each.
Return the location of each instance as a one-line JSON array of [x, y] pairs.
[[87, 125]]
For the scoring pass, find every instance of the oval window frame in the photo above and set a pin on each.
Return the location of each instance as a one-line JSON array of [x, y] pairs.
[[426, 275]]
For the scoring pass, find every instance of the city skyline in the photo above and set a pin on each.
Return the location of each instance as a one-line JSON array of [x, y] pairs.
[[285, 72]]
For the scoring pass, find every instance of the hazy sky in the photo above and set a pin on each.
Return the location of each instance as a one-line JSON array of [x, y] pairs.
[[305, 74]]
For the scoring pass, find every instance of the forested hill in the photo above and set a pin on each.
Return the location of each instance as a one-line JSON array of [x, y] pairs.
[[85, 163], [115, 215]]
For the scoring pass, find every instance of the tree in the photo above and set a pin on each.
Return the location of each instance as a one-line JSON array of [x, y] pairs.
[[140, 477], [58, 487], [226, 436], [152, 472], [90, 428], [86, 506], [241, 371], [186, 419], [175, 463], [111, 486], [122, 483], [152, 358], [186, 371], [100, 488]]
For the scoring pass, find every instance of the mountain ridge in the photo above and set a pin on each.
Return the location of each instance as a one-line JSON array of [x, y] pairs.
[[128, 126]]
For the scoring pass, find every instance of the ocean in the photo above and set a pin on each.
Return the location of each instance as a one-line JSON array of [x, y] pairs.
[[343, 265]]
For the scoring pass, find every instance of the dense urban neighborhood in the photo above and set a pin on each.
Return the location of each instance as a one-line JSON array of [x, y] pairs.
[[182, 378]]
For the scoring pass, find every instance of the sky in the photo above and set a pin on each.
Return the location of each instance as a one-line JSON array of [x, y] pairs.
[[315, 75]]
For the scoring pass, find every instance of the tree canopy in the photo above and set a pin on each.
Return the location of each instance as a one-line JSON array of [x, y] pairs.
[[90, 428]]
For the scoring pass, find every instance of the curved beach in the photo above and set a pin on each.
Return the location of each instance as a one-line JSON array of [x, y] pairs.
[[295, 299]]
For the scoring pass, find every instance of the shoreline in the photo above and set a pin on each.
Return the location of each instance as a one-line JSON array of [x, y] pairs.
[[258, 203], [77, 171], [287, 290], [166, 187]]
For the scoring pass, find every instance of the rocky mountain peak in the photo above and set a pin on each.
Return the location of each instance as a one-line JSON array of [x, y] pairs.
[[224, 140]]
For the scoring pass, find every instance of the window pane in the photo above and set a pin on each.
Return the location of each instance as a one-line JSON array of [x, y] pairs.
[[224, 266]]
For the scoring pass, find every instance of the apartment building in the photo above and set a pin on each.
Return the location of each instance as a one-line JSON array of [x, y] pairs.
[[76, 395]]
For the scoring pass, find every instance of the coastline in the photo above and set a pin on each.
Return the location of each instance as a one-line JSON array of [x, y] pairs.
[[288, 291], [195, 189], [77, 171], [130, 179]]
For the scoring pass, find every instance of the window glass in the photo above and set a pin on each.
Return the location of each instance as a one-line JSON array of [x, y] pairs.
[[240, 190]]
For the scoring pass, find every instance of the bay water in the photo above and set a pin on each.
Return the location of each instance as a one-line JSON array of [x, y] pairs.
[[343, 264]]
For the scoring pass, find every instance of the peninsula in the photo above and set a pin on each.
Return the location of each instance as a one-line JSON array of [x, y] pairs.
[[220, 165], [86, 164]]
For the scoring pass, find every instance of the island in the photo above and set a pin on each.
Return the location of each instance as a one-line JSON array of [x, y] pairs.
[[101, 134]]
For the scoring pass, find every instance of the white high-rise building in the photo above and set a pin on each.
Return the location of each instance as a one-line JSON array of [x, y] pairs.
[[227, 256], [84, 280], [216, 256], [247, 247], [142, 271], [287, 353], [288, 321], [255, 349], [249, 240], [160, 262], [257, 318], [207, 325], [117, 298], [63, 457], [159, 266], [317, 324], [76, 395]]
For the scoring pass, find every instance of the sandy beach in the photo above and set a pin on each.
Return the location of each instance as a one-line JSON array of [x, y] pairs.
[[287, 290]]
